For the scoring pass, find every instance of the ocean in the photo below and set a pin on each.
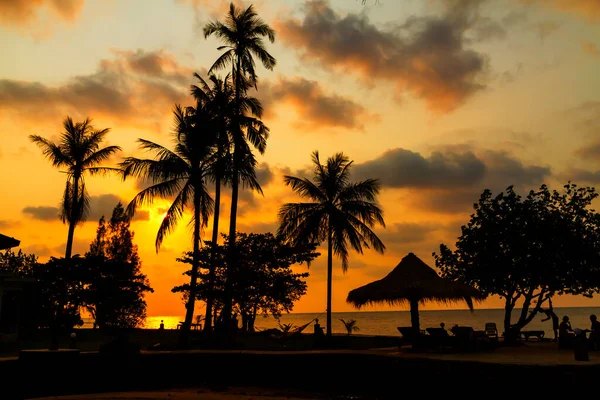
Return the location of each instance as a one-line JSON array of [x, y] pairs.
[[385, 322]]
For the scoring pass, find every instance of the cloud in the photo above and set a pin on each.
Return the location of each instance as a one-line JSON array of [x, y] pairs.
[[101, 205], [316, 108], [581, 175], [27, 12], [4, 224], [42, 213], [590, 48], [590, 152], [450, 180], [399, 168], [80, 246], [104, 204], [406, 233], [39, 250], [588, 9], [133, 85], [264, 174], [425, 56]]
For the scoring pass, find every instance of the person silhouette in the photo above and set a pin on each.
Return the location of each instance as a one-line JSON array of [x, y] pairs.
[[595, 332], [550, 314], [162, 325]]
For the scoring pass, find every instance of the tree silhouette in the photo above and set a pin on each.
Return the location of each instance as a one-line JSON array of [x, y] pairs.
[[242, 35], [350, 326], [340, 212], [78, 150], [180, 173]]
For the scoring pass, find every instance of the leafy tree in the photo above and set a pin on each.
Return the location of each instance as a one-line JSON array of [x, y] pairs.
[[115, 284], [18, 264], [528, 249], [350, 326], [242, 35], [341, 213], [180, 173], [78, 150], [263, 281]]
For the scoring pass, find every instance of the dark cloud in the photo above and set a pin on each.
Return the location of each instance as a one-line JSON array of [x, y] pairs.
[[23, 12], [264, 174], [590, 152], [581, 175], [316, 109], [403, 168], [405, 233], [132, 85], [42, 213], [425, 56], [101, 205], [104, 204]]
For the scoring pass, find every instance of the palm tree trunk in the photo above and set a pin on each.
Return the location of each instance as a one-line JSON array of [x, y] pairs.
[[213, 257], [414, 316], [329, 278], [189, 313], [227, 307], [73, 217], [231, 253]]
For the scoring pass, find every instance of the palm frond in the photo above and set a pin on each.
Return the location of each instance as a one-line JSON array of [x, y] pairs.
[[305, 188], [101, 155], [146, 197], [51, 151], [174, 214]]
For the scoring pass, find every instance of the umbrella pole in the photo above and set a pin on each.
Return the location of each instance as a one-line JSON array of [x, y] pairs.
[[414, 315]]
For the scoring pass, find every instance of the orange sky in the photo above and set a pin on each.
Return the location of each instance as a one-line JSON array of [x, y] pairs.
[[438, 99]]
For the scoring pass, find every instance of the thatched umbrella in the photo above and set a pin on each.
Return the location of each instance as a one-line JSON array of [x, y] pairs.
[[8, 242], [413, 282]]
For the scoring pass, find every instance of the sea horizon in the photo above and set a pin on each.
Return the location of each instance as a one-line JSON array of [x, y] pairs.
[[385, 322]]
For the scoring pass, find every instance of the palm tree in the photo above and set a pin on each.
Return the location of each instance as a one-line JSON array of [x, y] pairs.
[[78, 152], [341, 213], [218, 99], [350, 326], [242, 35], [180, 173]]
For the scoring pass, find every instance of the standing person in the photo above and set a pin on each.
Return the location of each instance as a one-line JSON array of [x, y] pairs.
[[565, 333], [550, 314], [595, 333], [162, 325]]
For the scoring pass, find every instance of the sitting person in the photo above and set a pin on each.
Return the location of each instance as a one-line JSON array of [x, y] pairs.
[[443, 328], [565, 333]]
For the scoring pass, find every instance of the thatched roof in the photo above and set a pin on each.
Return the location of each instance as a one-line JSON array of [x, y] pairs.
[[411, 280], [8, 242]]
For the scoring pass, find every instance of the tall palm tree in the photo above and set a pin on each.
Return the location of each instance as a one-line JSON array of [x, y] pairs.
[[78, 152], [218, 98], [180, 173], [242, 34], [340, 212]]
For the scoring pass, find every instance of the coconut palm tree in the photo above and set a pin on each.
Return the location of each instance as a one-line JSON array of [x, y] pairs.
[[242, 34], [78, 151], [218, 99], [180, 173], [340, 212]]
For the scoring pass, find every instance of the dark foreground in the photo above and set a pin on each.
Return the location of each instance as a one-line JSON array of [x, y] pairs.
[[324, 374]]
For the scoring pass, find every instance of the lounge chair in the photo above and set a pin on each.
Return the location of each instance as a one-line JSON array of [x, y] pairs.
[[438, 337], [491, 331]]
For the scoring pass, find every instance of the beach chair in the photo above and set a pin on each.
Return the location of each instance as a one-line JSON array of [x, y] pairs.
[[491, 331], [410, 336], [438, 337]]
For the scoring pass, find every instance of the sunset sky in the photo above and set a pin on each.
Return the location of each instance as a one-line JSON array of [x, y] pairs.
[[438, 99]]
